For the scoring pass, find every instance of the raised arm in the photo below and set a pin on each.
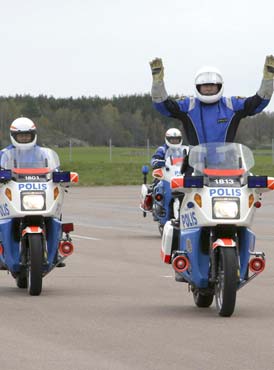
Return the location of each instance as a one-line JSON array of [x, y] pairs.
[[266, 89], [158, 91]]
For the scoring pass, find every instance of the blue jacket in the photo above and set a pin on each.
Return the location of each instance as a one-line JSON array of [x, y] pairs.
[[159, 155], [217, 122]]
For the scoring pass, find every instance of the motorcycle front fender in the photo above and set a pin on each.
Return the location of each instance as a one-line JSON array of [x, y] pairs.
[[224, 242]]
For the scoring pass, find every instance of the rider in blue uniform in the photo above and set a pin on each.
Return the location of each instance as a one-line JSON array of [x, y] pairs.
[[173, 140], [24, 150], [210, 117]]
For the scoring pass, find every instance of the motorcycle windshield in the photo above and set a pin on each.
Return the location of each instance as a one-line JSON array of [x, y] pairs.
[[233, 158], [35, 158], [175, 155]]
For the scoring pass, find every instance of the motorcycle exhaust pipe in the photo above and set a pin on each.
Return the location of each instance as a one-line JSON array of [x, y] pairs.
[[257, 265], [65, 248], [180, 263]]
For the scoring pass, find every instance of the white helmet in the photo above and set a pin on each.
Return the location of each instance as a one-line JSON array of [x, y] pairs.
[[173, 138], [209, 75], [23, 125]]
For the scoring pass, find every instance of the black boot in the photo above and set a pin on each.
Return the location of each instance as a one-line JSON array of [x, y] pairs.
[[179, 277], [60, 263]]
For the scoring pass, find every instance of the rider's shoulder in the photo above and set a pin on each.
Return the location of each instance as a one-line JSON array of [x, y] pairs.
[[188, 101], [183, 98], [234, 98], [7, 148], [161, 148], [238, 97], [233, 101]]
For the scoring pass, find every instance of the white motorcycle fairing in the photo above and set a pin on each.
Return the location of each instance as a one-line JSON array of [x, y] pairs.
[[215, 253]]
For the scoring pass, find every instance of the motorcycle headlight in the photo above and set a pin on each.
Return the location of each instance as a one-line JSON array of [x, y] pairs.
[[33, 201], [226, 208]]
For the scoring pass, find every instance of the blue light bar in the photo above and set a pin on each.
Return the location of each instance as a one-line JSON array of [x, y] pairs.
[[62, 176], [145, 170], [257, 181], [193, 182]]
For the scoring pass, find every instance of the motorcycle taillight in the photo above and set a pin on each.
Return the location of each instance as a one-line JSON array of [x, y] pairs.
[[148, 201], [67, 228]]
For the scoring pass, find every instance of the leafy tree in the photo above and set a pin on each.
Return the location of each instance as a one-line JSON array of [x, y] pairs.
[[128, 120]]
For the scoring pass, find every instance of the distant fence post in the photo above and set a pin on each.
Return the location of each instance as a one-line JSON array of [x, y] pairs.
[[70, 150], [272, 151], [110, 150], [148, 150]]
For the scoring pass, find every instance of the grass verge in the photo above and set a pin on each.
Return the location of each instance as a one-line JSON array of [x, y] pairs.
[[122, 166]]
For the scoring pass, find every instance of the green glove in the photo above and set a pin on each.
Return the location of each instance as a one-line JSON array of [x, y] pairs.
[[269, 68], [157, 70]]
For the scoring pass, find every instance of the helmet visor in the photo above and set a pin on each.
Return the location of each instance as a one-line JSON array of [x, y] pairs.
[[174, 139], [209, 89], [23, 137]]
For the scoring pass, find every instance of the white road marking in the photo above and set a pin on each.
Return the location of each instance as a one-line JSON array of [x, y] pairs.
[[130, 228], [167, 276], [84, 237]]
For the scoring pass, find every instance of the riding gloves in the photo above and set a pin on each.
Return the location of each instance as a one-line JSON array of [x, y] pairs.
[[158, 91], [266, 89]]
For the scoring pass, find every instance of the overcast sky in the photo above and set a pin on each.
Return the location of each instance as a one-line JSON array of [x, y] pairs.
[[103, 47]]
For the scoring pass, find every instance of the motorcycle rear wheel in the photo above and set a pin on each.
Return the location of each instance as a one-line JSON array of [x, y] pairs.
[[202, 300], [226, 286], [35, 271]]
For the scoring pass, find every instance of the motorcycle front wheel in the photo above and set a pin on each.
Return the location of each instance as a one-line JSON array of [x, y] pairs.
[[227, 278], [35, 270]]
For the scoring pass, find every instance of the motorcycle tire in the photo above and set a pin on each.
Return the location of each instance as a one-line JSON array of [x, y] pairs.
[[161, 229], [227, 279], [202, 300], [22, 280], [35, 271]]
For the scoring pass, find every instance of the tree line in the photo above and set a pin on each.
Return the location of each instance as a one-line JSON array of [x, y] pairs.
[[127, 120]]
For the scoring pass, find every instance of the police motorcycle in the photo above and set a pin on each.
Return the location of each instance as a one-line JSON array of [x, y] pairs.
[[157, 198], [212, 249], [33, 239]]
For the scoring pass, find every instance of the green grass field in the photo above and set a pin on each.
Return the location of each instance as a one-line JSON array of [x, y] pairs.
[[96, 166]]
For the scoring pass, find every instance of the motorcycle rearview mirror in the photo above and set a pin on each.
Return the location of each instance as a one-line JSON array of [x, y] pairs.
[[5, 175], [193, 182], [257, 181], [61, 176]]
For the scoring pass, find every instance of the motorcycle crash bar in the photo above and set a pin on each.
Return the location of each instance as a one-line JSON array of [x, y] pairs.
[[180, 263], [65, 248], [256, 266]]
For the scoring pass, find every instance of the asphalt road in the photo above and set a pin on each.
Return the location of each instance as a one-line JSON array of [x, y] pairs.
[[116, 305]]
